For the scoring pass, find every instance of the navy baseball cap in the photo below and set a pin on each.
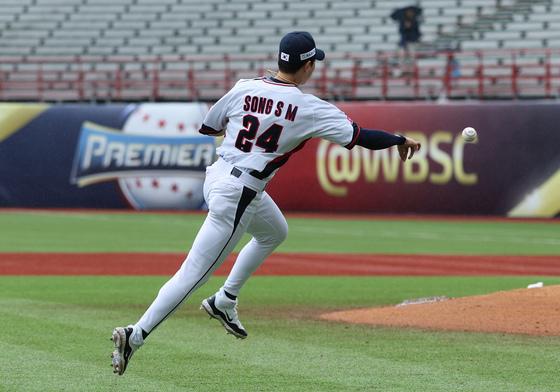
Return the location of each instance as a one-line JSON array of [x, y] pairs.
[[297, 47]]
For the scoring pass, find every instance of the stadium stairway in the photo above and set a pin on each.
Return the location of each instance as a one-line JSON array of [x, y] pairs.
[[468, 36]]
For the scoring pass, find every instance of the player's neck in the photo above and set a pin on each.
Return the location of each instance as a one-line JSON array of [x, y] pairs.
[[286, 78]]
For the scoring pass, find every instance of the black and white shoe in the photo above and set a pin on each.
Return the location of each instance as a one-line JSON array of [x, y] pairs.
[[124, 348], [226, 315]]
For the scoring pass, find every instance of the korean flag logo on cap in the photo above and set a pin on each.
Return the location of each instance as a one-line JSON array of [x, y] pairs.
[[297, 47]]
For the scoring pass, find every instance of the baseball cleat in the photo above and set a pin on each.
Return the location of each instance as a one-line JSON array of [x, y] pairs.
[[124, 349], [227, 316]]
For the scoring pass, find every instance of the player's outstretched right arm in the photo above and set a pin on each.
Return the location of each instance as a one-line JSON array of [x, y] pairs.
[[334, 125], [374, 139]]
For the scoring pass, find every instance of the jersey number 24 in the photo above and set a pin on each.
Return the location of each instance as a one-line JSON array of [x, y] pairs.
[[268, 140]]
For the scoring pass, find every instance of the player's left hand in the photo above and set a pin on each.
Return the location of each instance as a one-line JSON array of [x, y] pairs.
[[408, 148]]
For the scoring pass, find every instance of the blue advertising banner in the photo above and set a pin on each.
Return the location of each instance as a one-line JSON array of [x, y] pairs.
[[103, 156], [151, 156], [36, 158]]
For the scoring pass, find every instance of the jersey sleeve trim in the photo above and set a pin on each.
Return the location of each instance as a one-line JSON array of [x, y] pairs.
[[206, 130], [355, 136]]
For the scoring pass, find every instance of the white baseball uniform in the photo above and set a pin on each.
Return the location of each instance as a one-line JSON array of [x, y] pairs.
[[265, 122]]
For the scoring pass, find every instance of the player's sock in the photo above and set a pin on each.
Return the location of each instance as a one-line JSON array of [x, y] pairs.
[[223, 300], [230, 296], [137, 336], [144, 334]]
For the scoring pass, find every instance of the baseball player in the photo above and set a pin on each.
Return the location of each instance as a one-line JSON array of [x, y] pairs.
[[264, 121]]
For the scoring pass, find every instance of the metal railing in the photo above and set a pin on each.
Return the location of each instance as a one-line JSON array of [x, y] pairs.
[[483, 74]]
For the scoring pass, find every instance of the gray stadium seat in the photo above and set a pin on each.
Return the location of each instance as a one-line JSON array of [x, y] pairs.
[[244, 27]]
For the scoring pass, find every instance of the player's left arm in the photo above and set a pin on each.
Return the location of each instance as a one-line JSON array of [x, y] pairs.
[[216, 119], [209, 131]]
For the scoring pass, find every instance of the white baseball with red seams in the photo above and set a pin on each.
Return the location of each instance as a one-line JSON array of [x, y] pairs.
[[469, 134], [160, 192]]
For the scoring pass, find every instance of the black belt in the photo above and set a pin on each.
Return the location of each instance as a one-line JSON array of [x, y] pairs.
[[237, 173]]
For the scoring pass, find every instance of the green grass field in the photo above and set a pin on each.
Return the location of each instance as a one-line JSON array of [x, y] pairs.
[[55, 330], [44, 231]]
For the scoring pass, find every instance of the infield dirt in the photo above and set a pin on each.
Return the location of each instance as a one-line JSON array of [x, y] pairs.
[[319, 264], [524, 311]]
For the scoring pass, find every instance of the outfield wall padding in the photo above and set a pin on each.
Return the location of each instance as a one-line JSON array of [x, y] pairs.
[[149, 156], [513, 169]]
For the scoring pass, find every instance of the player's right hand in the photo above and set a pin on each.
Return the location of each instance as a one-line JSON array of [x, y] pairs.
[[408, 148]]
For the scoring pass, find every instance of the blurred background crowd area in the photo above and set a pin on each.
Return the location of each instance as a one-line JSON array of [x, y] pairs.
[[125, 50]]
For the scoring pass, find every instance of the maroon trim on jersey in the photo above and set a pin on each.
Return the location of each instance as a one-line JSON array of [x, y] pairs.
[[206, 130], [278, 82], [276, 163], [355, 135]]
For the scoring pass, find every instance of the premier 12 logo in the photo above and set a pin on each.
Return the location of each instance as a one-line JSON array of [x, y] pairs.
[[103, 154]]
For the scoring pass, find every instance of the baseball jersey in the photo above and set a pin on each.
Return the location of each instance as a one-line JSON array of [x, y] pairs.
[[266, 121]]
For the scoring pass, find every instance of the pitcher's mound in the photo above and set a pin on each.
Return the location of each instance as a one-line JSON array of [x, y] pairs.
[[525, 311]]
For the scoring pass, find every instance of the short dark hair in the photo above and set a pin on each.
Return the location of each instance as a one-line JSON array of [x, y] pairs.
[[291, 68]]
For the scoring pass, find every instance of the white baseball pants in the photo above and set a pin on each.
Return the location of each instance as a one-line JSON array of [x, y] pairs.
[[236, 204]]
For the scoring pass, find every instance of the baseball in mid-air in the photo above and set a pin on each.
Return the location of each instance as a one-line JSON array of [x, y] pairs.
[[469, 134]]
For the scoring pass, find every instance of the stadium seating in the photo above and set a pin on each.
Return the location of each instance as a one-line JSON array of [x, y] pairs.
[[171, 26], [244, 27]]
